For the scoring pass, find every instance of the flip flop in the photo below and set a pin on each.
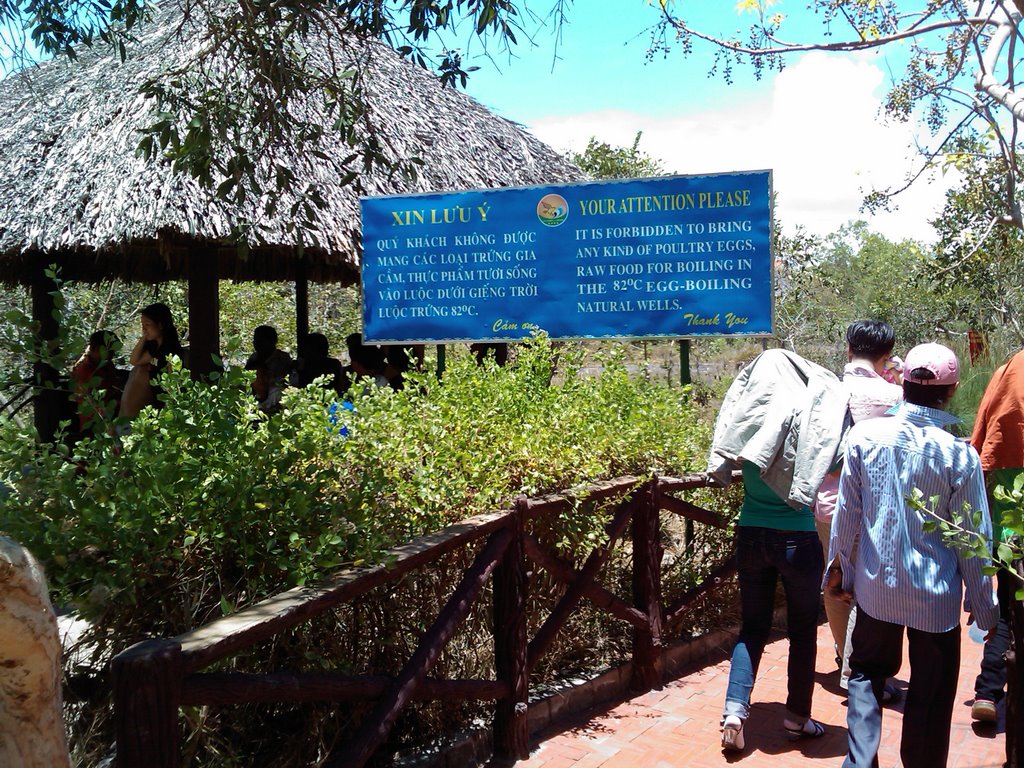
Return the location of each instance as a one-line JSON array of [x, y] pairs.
[[811, 729]]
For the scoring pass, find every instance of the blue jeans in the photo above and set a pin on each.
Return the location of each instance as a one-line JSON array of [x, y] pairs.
[[762, 556]]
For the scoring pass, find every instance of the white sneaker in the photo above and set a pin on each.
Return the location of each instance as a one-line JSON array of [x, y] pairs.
[[732, 734]]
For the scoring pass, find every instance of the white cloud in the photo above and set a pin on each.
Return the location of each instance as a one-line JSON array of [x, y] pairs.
[[820, 130]]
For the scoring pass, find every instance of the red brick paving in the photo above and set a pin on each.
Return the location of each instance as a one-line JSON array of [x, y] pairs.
[[677, 725]]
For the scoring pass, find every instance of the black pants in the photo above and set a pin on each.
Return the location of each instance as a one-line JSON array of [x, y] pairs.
[[934, 667], [992, 678]]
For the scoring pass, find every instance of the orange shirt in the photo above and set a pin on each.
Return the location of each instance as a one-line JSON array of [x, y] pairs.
[[99, 381], [999, 426]]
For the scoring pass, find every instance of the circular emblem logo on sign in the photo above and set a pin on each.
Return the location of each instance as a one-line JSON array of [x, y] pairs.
[[552, 210]]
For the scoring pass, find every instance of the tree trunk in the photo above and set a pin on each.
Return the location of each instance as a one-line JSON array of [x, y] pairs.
[[31, 712]]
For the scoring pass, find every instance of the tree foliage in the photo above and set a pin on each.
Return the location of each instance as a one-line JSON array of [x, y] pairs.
[[823, 284], [1006, 553], [980, 261], [960, 77], [604, 161]]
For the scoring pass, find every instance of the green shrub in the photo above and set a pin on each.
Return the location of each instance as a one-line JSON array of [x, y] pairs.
[[207, 505]]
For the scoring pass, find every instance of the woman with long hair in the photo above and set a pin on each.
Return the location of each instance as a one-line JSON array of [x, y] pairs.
[[159, 339]]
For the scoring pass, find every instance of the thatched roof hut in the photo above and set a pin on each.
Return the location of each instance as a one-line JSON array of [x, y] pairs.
[[73, 190]]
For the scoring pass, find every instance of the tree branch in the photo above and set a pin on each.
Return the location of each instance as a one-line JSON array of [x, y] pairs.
[[981, 241], [848, 46], [986, 82]]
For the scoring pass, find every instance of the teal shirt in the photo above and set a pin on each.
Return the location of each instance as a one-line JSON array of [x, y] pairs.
[[763, 508], [997, 508]]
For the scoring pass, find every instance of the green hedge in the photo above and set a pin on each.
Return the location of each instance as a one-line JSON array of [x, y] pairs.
[[207, 505]]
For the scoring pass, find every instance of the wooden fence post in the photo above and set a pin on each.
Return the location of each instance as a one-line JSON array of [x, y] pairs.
[[378, 723], [511, 737], [147, 688], [647, 553]]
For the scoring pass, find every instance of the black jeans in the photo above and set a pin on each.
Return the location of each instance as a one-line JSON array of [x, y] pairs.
[[934, 668], [763, 555], [992, 678]]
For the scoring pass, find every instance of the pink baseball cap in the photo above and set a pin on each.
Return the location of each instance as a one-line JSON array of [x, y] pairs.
[[940, 360]]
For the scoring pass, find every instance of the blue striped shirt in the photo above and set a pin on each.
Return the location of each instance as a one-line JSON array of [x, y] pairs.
[[898, 572]]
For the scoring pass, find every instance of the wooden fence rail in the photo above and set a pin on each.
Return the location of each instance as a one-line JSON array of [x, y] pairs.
[[154, 678]]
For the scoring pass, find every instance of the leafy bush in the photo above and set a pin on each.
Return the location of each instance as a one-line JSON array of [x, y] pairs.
[[206, 504]]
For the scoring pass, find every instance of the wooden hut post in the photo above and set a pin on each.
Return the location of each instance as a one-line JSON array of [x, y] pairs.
[[647, 588], [203, 310], [511, 737], [47, 405], [301, 295], [146, 682]]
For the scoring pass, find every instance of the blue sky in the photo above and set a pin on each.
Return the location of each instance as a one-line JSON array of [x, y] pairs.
[[599, 62], [818, 125]]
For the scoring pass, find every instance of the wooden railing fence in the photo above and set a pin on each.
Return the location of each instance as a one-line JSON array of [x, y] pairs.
[[154, 678], [14, 397]]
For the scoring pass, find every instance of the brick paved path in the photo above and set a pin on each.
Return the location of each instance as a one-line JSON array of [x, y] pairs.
[[677, 726]]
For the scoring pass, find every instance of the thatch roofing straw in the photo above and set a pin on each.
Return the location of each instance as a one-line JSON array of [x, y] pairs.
[[73, 190]]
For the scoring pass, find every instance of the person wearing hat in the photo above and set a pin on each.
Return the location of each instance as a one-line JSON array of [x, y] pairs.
[[901, 575]]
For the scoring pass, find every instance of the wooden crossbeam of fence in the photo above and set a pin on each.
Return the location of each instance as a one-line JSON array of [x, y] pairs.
[[153, 679]]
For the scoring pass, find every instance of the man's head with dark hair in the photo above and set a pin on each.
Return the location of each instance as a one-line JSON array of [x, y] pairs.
[[316, 346], [264, 339], [870, 339], [367, 359]]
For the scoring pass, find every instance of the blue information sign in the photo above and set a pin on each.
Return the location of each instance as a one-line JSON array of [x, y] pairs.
[[667, 257]]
